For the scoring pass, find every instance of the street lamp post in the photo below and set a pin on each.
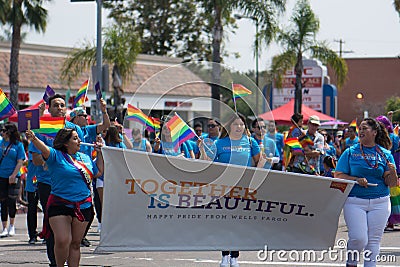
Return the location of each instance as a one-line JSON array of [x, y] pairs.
[[255, 19]]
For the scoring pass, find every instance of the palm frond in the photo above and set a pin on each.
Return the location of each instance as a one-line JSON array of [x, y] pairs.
[[330, 57], [280, 64], [77, 61]]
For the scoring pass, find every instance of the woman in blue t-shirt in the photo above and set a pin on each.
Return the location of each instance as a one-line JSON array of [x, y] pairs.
[[367, 208], [12, 155], [69, 207], [164, 145], [235, 146]]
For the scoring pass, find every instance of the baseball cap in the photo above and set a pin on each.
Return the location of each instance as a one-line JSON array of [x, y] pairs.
[[314, 119], [339, 133], [77, 111]]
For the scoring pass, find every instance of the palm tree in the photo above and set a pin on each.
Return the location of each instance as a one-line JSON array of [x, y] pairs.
[[299, 40], [264, 10], [120, 49], [18, 13]]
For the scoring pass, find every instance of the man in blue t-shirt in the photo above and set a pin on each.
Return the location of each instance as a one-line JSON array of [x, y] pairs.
[[353, 138]]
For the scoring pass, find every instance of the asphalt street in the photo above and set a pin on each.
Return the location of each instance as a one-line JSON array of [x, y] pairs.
[[15, 251]]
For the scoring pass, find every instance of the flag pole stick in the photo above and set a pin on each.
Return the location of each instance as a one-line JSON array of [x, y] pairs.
[[234, 99]]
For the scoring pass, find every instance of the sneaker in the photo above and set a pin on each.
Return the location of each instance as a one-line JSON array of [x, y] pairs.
[[224, 261], [234, 262], [32, 241], [99, 228], [85, 242], [4, 233], [11, 230]]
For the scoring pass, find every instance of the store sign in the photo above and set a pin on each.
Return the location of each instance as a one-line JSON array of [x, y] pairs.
[[312, 78], [22, 97], [176, 104]]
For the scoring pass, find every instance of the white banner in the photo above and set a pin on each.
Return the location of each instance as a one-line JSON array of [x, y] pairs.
[[158, 203]]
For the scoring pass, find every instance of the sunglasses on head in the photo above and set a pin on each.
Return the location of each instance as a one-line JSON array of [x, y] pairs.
[[212, 125]]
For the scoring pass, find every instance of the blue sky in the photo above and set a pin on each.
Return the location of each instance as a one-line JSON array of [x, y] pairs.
[[369, 28]]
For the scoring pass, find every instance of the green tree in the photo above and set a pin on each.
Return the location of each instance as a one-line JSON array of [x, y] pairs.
[[265, 11], [120, 49], [168, 28], [300, 40], [18, 13], [393, 104], [396, 4]]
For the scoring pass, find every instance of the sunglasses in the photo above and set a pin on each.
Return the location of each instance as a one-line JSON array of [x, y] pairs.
[[212, 125], [261, 127], [3, 130], [83, 115]]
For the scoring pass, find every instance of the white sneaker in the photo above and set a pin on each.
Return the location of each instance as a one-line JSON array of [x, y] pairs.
[[224, 261], [234, 262], [99, 227], [11, 230], [4, 233]]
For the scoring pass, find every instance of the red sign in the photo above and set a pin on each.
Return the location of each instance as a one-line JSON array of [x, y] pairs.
[[22, 97]]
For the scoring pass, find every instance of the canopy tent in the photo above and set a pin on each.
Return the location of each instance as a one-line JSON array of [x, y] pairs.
[[282, 114]]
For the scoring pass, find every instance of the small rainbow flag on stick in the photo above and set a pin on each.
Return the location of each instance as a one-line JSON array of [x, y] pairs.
[[354, 124], [80, 98], [396, 130], [6, 108], [239, 91], [306, 141], [180, 131], [49, 126], [135, 114]]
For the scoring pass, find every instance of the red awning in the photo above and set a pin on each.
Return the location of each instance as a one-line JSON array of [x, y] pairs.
[[283, 114]]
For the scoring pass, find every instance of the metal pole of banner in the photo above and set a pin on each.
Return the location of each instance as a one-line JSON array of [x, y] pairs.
[[99, 52]]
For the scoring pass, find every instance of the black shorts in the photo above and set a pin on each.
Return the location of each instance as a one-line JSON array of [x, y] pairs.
[[88, 213]]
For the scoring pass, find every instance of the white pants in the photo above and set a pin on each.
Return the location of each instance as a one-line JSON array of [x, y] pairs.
[[366, 220]]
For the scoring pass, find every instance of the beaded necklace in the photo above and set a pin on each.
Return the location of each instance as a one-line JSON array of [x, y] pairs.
[[377, 152]]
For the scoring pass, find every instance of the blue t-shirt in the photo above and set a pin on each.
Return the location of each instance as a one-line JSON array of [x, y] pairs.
[[239, 152], [139, 146], [352, 163], [270, 150], [89, 136], [168, 148], [67, 181], [395, 142], [214, 138], [350, 142], [29, 185], [15, 152], [278, 138]]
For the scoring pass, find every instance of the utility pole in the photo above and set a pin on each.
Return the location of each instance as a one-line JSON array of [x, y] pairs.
[[341, 42]]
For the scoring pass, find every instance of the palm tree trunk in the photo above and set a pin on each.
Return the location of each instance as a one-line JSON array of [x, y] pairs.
[[216, 58], [298, 92], [14, 62]]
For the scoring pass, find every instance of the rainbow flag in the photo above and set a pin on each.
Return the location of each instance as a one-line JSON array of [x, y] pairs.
[[135, 114], [180, 131], [395, 201], [23, 170], [396, 130], [354, 124], [80, 97], [294, 144], [49, 126], [6, 108], [239, 91], [306, 141]]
